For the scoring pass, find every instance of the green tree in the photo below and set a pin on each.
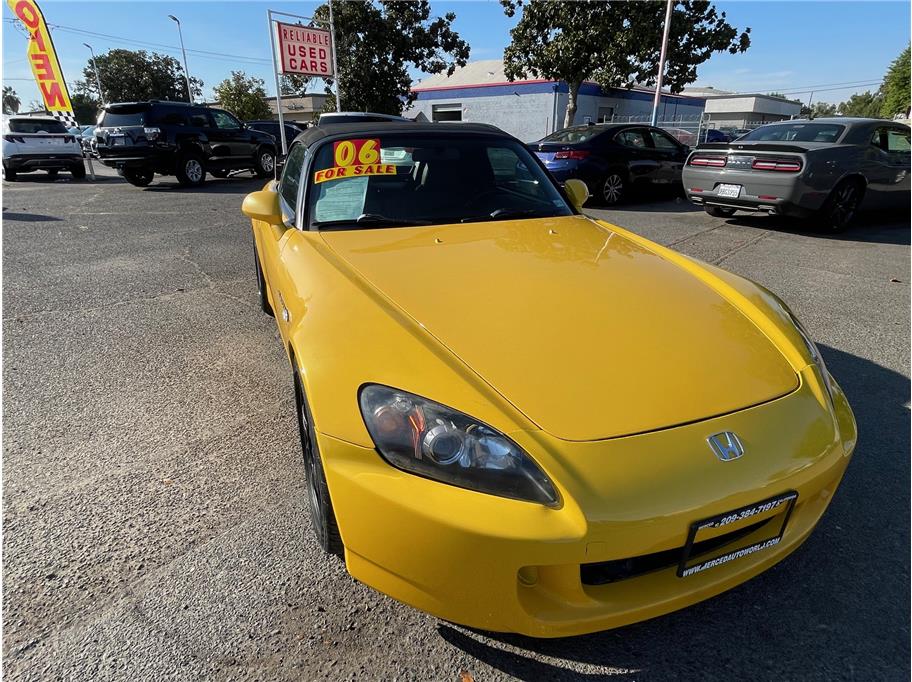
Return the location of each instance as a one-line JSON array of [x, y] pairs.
[[244, 96], [10, 100], [85, 108], [377, 42], [614, 43], [135, 76], [818, 110], [863, 105], [895, 88]]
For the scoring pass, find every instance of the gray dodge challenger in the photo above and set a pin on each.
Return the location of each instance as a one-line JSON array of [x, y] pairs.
[[825, 168]]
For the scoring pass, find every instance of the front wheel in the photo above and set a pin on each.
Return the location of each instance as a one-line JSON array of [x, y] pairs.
[[9, 175], [78, 171], [719, 211], [264, 164], [52, 174], [322, 516], [190, 171], [140, 177], [840, 207], [261, 284]]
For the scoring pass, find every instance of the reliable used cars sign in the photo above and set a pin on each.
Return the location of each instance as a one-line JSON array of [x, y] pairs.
[[304, 50]]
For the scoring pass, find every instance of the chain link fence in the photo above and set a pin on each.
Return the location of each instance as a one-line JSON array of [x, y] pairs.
[[694, 130]]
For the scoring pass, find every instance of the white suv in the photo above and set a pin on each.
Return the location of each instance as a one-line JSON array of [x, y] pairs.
[[33, 143]]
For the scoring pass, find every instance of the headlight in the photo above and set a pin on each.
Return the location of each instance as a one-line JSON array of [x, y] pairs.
[[813, 351], [429, 439]]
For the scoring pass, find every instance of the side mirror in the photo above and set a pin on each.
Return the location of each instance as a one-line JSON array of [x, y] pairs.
[[578, 192], [263, 205]]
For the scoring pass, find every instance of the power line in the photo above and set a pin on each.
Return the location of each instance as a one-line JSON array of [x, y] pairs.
[[205, 54]]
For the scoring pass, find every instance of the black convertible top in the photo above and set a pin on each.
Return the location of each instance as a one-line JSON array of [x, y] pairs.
[[316, 134]]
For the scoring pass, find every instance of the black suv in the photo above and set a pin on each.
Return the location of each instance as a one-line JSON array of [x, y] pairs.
[[140, 139]]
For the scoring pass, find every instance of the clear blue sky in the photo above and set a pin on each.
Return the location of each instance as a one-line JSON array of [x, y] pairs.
[[795, 45]]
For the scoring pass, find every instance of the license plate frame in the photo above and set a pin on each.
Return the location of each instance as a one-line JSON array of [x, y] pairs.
[[730, 517], [729, 191]]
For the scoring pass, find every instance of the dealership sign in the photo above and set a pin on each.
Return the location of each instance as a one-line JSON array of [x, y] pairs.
[[304, 50]]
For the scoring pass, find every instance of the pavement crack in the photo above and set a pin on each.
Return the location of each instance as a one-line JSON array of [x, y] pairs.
[[763, 235]]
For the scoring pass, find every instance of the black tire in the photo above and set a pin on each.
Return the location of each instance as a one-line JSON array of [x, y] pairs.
[[78, 171], [219, 173], [322, 516], [840, 207], [612, 188], [140, 177], [264, 162], [53, 173], [719, 211], [190, 170], [261, 284]]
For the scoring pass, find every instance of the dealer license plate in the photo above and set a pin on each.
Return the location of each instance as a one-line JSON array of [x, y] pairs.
[[732, 191], [775, 510]]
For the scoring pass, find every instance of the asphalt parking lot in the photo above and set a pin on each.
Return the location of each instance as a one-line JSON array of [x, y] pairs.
[[154, 521]]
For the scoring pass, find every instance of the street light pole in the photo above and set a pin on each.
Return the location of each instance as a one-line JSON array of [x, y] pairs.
[[658, 93], [97, 77], [184, 53]]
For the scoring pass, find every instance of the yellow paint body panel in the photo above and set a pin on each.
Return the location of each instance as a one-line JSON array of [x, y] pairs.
[[608, 358]]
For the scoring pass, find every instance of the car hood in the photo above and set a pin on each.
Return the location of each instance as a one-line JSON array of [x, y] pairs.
[[587, 333]]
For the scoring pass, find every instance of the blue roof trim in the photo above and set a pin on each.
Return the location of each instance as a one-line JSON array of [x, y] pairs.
[[520, 88]]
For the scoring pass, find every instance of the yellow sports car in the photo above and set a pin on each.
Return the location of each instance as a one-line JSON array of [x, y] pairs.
[[519, 418]]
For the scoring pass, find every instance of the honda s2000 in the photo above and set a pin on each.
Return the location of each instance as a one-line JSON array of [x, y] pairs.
[[519, 418]]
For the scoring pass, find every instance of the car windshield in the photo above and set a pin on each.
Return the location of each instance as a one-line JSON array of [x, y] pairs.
[[124, 116], [401, 180], [795, 132], [571, 135], [35, 125]]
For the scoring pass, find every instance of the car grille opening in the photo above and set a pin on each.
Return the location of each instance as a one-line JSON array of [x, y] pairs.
[[605, 572]]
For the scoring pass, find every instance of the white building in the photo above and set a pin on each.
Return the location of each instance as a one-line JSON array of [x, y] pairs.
[[740, 110], [531, 109]]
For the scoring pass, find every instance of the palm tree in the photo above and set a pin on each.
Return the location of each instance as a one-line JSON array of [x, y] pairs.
[[10, 100]]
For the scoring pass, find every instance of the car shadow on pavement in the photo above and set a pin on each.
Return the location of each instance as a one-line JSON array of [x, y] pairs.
[[836, 607], [882, 227], [240, 185]]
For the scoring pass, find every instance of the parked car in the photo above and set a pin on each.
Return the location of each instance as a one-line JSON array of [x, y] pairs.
[[140, 139], [32, 143], [686, 137], [87, 140], [520, 418], [713, 135], [612, 157], [292, 130], [827, 168]]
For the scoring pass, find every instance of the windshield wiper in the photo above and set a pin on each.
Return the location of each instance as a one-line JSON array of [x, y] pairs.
[[506, 214], [370, 220]]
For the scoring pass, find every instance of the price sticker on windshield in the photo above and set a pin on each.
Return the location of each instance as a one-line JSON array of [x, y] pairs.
[[354, 159]]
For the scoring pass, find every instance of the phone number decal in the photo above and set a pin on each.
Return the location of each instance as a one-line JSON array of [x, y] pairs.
[[734, 517]]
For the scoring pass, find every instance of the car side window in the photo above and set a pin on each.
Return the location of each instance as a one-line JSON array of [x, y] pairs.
[[199, 119], [898, 141], [663, 141], [512, 172], [632, 138], [291, 181], [224, 120]]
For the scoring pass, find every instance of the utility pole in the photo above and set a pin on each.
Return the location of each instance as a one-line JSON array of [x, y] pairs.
[[658, 92], [332, 33], [184, 53], [97, 77]]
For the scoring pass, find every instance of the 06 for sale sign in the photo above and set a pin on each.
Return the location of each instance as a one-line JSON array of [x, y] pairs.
[[304, 50]]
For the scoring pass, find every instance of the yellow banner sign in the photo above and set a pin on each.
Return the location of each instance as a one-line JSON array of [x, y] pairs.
[[355, 158], [42, 57]]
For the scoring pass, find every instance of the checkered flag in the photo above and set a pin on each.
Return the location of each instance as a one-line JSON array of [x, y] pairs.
[[67, 118]]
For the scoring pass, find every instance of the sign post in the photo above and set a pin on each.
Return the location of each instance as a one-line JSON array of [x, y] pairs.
[[302, 50]]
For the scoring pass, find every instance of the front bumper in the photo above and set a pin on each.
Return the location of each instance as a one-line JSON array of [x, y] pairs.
[[509, 566], [31, 162], [766, 192]]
